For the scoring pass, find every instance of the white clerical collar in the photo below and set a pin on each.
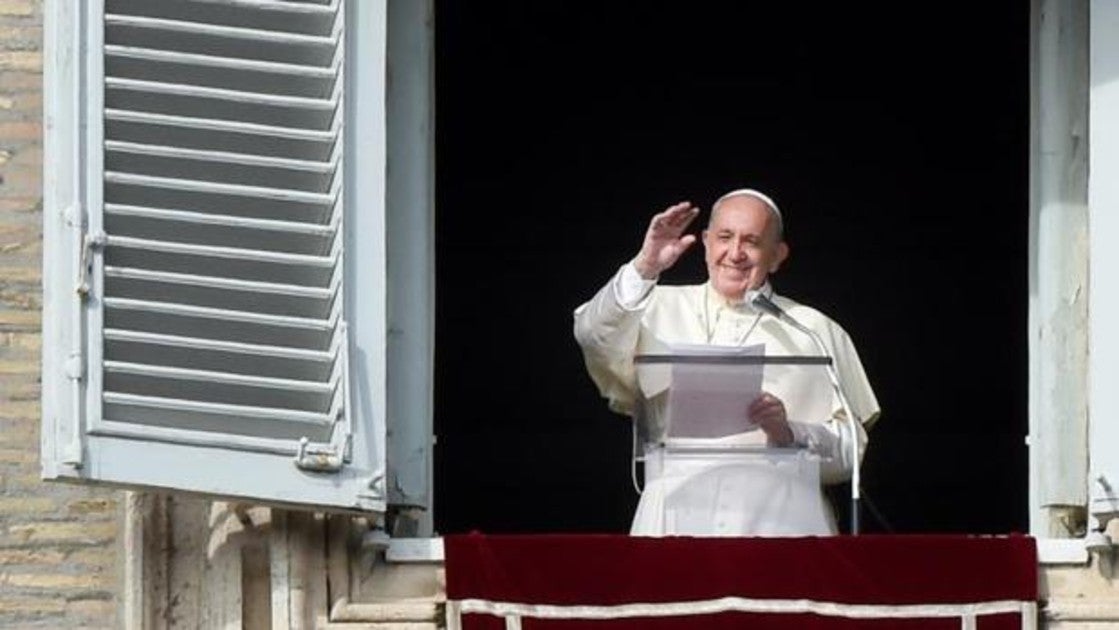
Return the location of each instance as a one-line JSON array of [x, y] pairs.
[[716, 301]]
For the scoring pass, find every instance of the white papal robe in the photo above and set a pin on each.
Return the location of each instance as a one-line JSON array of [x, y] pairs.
[[613, 327]]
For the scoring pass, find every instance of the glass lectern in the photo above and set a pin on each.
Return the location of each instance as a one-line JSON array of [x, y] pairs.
[[708, 469]]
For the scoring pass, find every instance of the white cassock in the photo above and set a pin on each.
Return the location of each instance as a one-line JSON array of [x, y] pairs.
[[630, 316]]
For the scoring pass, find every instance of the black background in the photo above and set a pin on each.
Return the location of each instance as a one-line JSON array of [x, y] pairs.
[[893, 135]]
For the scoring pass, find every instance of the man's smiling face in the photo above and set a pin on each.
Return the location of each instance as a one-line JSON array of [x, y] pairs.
[[742, 246]]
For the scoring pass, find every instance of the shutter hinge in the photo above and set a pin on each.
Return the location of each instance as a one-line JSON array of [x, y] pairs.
[[317, 458], [90, 242], [72, 214], [74, 369]]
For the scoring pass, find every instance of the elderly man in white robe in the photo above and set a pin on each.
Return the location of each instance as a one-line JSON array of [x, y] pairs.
[[633, 315]]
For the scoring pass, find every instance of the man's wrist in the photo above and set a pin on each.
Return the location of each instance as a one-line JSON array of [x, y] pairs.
[[630, 289], [786, 438], [781, 435], [644, 269]]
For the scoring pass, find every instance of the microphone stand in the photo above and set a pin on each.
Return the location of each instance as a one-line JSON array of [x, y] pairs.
[[762, 302]]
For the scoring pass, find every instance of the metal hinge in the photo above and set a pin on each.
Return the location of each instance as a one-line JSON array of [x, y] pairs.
[[317, 458], [74, 367], [90, 242]]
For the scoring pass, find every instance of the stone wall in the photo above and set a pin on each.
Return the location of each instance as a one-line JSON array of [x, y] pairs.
[[59, 564]]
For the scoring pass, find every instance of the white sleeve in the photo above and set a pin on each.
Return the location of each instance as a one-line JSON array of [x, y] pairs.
[[608, 329], [832, 441], [630, 289]]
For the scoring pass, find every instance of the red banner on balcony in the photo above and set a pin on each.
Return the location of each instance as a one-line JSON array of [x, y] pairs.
[[564, 582]]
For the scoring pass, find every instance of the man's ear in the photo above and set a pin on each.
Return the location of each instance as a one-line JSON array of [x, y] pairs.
[[782, 254]]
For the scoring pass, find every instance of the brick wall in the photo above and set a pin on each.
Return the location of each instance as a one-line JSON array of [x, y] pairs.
[[59, 564]]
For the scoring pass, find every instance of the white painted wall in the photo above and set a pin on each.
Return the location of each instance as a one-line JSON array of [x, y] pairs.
[[1058, 272]]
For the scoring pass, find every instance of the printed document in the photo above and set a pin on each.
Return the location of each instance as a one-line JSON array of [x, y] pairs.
[[710, 400]]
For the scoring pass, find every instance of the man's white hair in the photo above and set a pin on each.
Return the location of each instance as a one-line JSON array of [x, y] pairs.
[[756, 194]]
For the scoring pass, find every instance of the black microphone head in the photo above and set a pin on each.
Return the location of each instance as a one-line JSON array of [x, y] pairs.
[[758, 300]]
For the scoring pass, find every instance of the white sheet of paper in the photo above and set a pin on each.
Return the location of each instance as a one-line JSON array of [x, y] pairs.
[[711, 400]]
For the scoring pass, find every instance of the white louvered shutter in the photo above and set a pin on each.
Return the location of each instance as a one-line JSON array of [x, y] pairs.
[[217, 350]]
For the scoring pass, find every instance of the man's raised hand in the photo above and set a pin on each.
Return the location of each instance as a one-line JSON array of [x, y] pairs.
[[665, 240]]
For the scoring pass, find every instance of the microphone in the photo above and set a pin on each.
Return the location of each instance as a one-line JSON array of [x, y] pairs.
[[761, 302]]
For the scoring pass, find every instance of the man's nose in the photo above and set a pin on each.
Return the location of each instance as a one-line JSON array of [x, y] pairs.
[[738, 250]]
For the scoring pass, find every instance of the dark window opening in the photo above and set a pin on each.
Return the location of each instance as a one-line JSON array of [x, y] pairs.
[[894, 137]]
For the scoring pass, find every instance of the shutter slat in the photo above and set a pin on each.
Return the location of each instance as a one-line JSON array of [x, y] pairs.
[[248, 113], [213, 61], [222, 72], [209, 376], [224, 167], [237, 268], [221, 293], [262, 192], [221, 156], [234, 96], [212, 124], [205, 325], [213, 134], [224, 220], [230, 356], [223, 230], [206, 439], [217, 388], [209, 43], [287, 8], [223, 252], [237, 32], [196, 343], [219, 409], [221, 314], [253, 112], [215, 172], [128, 190], [292, 290], [327, 7]]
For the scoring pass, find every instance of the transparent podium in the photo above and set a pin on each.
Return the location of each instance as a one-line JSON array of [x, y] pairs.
[[708, 470]]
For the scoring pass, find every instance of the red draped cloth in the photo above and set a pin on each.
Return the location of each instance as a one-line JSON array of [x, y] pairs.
[[825, 583]]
